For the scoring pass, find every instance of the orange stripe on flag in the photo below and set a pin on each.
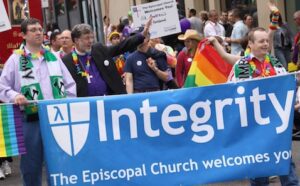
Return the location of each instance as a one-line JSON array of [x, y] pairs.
[[209, 70], [202, 80], [216, 60], [209, 65]]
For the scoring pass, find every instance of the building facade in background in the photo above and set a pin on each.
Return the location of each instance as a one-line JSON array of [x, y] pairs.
[[17, 11], [67, 13]]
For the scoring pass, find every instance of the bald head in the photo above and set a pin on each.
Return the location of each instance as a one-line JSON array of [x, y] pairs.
[[297, 13], [213, 16], [66, 40], [297, 17], [66, 33]]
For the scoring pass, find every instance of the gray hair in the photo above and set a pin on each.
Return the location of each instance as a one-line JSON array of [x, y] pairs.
[[79, 30], [297, 13], [211, 13]]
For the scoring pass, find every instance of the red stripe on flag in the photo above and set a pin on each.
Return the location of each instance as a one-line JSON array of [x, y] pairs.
[[216, 60]]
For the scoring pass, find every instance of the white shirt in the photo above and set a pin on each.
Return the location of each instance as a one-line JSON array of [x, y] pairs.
[[213, 29], [107, 31], [56, 53], [239, 31]]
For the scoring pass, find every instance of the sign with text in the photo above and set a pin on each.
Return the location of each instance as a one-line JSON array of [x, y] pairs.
[[165, 17], [45, 3], [182, 137], [4, 21], [17, 11]]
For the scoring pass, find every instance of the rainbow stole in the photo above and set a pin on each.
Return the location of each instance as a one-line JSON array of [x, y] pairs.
[[11, 132]]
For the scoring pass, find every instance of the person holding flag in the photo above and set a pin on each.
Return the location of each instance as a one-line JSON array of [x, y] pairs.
[[30, 74], [185, 57], [259, 64]]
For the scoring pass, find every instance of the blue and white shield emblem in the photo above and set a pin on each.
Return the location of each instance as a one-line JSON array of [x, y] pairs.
[[70, 125]]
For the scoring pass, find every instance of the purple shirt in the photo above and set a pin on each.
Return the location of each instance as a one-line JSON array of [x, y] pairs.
[[10, 82], [97, 87], [126, 31]]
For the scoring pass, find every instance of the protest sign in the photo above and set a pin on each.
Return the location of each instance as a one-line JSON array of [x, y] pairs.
[[182, 137], [164, 14], [45, 3], [4, 21]]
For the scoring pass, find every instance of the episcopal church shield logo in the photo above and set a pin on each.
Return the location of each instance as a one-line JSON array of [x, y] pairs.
[[70, 125]]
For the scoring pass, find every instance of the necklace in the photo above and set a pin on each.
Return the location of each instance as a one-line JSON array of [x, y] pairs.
[[265, 67], [30, 56], [61, 53], [86, 69]]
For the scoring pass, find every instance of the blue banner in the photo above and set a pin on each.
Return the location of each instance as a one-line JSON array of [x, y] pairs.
[[181, 137]]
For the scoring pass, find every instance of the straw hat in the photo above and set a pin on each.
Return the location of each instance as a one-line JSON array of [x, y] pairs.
[[190, 34], [113, 34], [165, 48]]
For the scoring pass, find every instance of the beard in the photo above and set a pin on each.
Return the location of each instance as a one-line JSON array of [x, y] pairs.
[[84, 49]]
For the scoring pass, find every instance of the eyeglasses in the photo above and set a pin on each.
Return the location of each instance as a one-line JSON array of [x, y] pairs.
[[33, 30]]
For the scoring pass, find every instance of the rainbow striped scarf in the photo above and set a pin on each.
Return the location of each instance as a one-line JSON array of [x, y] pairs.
[[207, 68], [11, 132]]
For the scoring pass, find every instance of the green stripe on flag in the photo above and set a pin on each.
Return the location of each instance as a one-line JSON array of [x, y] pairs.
[[190, 81], [6, 130]]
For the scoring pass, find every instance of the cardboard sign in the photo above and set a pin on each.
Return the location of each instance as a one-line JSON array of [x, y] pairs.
[[165, 17], [4, 21], [45, 3]]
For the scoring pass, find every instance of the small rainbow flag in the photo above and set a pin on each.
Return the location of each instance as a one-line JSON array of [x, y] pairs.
[[11, 132], [207, 68]]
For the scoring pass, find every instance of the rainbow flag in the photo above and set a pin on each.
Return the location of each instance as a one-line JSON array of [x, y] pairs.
[[11, 132], [207, 68]]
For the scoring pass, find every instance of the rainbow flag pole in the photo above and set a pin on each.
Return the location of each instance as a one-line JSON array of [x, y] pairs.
[[208, 67], [11, 132]]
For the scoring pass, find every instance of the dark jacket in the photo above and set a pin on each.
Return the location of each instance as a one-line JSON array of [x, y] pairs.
[[102, 56]]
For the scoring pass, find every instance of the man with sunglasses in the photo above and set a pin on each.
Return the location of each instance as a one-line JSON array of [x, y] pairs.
[[33, 73]]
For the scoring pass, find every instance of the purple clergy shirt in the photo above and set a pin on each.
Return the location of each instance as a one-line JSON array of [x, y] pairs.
[[97, 87]]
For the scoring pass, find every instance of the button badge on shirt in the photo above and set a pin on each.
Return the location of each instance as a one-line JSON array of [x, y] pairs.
[[106, 62], [139, 63]]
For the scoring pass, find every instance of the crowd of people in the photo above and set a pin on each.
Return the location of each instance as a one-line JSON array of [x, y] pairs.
[[130, 62]]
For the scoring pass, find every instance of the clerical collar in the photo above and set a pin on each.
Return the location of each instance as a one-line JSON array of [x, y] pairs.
[[80, 53]]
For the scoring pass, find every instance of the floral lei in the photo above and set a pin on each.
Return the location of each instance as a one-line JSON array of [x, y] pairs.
[[22, 52], [61, 53], [265, 71], [79, 70]]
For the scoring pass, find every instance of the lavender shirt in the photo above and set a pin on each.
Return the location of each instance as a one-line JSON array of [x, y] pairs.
[[10, 82]]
